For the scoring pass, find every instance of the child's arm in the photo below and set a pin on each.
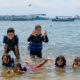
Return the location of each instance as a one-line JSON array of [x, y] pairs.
[[8, 71], [43, 62], [16, 46], [39, 65], [73, 65], [16, 52], [31, 36], [5, 44], [45, 38], [5, 48]]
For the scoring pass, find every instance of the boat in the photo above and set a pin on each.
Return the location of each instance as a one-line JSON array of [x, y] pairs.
[[63, 18], [77, 17]]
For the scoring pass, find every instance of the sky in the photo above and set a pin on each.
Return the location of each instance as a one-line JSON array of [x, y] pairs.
[[50, 7]]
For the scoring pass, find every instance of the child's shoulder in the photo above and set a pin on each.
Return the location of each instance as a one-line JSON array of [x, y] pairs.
[[16, 36], [5, 36]]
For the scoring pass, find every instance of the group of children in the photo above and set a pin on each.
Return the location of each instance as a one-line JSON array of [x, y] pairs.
[[60, 62], [9, 62], [11, 42], [35, 40]]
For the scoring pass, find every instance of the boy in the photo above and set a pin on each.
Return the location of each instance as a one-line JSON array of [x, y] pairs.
[[11, 42], [36, 39]]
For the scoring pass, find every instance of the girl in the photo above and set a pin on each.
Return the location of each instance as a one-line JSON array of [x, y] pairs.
[[7, 60], [76, 62], [60, 62], [36, 39], [18, 68]]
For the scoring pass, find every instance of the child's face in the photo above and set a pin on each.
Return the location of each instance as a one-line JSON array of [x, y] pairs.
[[10, 35], [5, 60], [38, 31], [16, 68], [60, 62]]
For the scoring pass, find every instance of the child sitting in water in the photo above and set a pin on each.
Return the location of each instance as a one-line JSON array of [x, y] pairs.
[[60, 62], [7, 60], [36, 39], [18, 68], [76, 62]]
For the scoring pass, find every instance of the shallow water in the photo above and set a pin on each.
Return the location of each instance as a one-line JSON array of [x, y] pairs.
[[64, 39]]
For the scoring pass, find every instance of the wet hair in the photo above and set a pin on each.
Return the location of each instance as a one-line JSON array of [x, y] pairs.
[[8, 57], [37, 26], [18, 64], [77, 59], [9, 30], [63, 59]]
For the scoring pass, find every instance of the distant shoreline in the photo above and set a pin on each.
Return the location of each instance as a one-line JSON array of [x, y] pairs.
[[35, 17]]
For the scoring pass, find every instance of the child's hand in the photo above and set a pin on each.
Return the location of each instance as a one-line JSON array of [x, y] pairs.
[[17, 57], [33, 32], [8, 71], [45, 33], [27, 62], [47, 59]]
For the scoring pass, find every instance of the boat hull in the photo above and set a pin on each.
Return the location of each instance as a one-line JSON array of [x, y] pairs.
[[63, 19]]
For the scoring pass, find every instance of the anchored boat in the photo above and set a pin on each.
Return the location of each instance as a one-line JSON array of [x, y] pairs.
[[63, 18]]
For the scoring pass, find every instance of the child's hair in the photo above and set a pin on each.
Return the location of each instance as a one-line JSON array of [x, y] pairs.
[[18, 64], [63, 59], [76, 59], [7, 55], [10, 30], [37, 26]]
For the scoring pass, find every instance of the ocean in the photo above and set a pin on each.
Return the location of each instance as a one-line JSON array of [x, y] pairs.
[[64, 39]]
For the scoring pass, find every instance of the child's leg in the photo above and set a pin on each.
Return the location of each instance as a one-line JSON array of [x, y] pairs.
[[32, 54], [39, 54]]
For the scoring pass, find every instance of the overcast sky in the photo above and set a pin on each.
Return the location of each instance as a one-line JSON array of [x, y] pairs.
[[50, 7]]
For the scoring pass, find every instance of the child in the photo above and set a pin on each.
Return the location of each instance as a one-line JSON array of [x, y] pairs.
[[11, 42], [7, 60], [36, 39], [18, 68], [60, 62], [76, 62]]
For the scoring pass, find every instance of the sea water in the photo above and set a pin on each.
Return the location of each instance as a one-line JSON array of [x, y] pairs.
[[64, 39]]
